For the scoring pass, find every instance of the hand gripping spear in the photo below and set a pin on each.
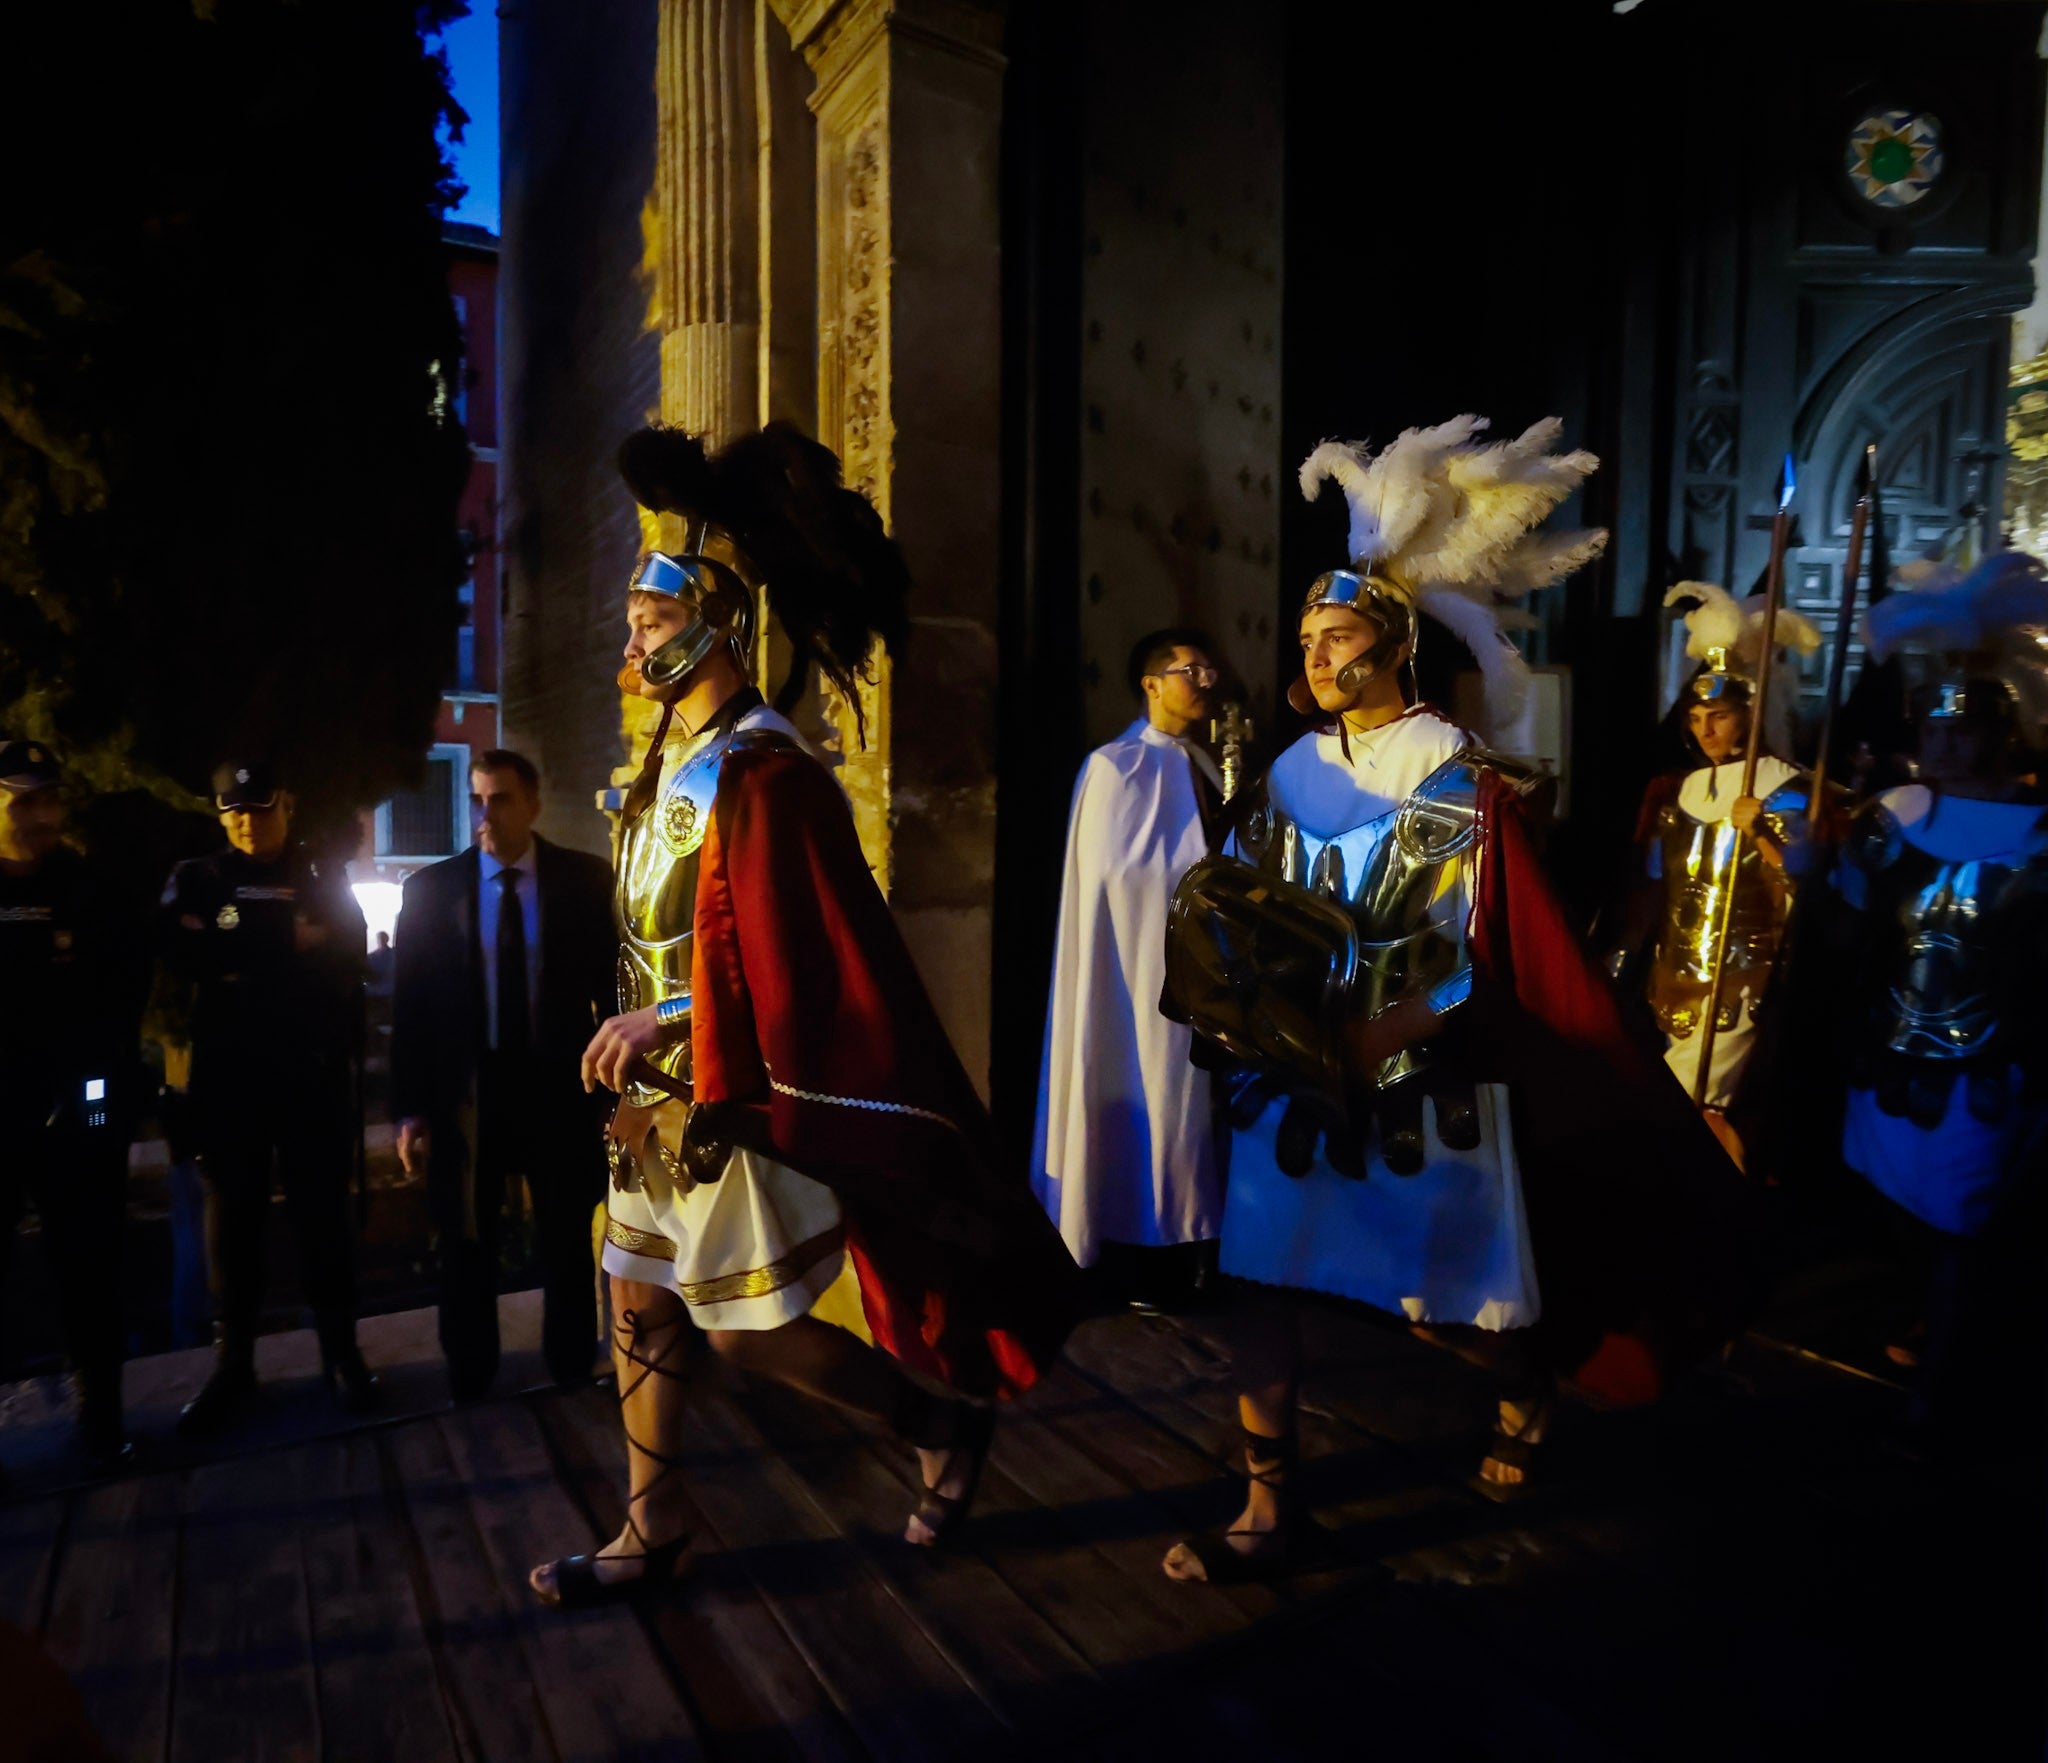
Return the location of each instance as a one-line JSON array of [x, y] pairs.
[[1774, 584], [1838, 662]]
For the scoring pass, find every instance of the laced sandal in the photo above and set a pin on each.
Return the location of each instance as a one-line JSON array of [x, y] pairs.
[[1294, 1538], [951, 1427], [577, 1583], [1516, 1450]]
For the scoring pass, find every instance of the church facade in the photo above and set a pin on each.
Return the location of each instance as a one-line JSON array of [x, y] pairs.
[[1071, 290]]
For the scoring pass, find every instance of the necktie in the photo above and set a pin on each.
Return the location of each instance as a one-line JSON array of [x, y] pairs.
[[515, 1033]]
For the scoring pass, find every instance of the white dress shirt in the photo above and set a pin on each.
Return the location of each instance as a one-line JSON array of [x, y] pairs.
[[489, 894]]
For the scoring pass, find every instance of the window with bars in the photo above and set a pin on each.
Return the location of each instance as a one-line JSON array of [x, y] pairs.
[[431, 821]]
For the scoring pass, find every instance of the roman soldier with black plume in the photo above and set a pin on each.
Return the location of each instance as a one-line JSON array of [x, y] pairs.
[[789, 1104]]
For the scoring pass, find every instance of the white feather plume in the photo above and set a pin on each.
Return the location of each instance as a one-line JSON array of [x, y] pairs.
[[1449, 524], [1502, 670], [1736, 627], [1715, 623], [1399, 498], [1545, 558], [1793, 630]]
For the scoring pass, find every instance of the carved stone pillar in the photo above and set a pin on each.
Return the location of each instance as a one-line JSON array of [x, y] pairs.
[[703, 244], [788, 232], [908, 106], [704, 238]]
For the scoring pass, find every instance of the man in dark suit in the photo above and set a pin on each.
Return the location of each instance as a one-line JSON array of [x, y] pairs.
[[506, 956]]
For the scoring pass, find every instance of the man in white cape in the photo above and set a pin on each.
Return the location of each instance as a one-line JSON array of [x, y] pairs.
[[1125, 1152]]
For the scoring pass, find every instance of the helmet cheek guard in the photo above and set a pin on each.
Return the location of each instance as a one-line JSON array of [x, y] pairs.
[[721, 606]]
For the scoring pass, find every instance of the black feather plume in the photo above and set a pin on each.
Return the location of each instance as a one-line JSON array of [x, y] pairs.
[[836, 580], [666, 470]]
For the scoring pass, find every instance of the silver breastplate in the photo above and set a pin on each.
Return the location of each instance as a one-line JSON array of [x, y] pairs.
[[1940, 991], [654, 894], [1405, 877]]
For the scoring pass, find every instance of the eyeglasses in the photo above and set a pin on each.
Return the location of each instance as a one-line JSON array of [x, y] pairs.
[[1196, 676]]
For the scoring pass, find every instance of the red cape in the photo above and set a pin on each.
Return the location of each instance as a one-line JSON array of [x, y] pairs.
[[814, 1037], [1643, 1229], [1658, 794]]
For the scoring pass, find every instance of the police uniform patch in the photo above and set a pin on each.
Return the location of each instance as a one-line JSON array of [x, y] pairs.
[[230, 915]]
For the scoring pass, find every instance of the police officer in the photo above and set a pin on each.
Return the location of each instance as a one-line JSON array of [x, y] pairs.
[[69, 1034], [272, 946]]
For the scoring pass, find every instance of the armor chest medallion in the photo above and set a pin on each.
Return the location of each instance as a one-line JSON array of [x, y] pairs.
[[679, 819], [657, 877], [679, 826]]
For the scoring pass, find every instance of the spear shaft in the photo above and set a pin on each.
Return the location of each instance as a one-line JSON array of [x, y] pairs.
[[1774, 584], [1838, 662]]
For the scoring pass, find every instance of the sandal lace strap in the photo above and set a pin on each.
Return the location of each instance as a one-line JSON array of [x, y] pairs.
[[629, 1341]]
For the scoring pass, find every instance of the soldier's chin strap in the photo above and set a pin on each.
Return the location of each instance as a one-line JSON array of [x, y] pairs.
[[645, 784]]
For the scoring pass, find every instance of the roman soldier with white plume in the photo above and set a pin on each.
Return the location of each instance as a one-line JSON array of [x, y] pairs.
[[1426, 1076], [1703, 835], [1442, 525]]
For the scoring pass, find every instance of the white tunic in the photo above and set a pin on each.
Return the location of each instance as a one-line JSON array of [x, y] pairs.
[[1709, 795], [1452, 1243], [1125, 1151]]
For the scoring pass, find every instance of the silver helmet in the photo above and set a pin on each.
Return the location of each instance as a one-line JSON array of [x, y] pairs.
[[1382, 605], [708, 573]]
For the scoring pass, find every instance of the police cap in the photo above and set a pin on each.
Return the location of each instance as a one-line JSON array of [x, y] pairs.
[[244, 783], [26, 766]]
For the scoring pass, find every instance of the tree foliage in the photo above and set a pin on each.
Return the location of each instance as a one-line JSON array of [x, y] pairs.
[[227, 490]]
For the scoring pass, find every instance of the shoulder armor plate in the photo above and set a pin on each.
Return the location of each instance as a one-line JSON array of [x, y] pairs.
[[1441, 816]]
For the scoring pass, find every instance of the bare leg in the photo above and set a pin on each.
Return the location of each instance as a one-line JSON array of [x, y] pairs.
[[837, 1367], [1265, 1342], [650, 1338], [1731, 1141], [1528, 1393]]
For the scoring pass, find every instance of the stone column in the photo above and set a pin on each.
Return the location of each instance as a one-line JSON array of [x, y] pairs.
[[908, 106], [788, 230], [704, 234], [703, 243]]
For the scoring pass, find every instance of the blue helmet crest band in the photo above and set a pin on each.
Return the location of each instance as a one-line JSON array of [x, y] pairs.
[[657, 572], [1716, 687]]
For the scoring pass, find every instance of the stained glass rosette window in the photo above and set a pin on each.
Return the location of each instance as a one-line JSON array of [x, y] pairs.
[[1894, 157]]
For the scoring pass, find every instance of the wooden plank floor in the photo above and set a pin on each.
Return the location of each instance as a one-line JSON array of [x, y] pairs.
[[341, 1591]]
